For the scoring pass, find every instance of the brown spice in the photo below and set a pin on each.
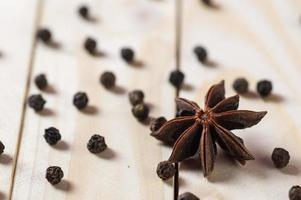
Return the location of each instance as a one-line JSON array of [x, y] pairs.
[[200, 133]]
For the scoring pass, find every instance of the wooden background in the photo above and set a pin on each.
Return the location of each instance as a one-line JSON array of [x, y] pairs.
[[251, 38]]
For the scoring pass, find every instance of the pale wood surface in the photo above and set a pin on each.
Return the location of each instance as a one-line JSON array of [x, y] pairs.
[[17, 19], [251, 38], [127, 169]]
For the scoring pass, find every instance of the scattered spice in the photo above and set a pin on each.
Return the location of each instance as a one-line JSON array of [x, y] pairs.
[[280, 157], [176, 78], [80, 100], [136, 97], [44, 35], [295, 193], [90, 45], [52, 135], [207, 2], [54, 174], [201, 53], [201, 132], [166, 170], [140, 111], [157, 123], [96, 144], [36, 102], [188, 196], [264, 88], [2, 147], [83, 11], [127, 54], [108, 79], [241, 85], [41, 81]]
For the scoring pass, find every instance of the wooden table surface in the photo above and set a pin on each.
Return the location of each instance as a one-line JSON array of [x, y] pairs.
[[251, 38]]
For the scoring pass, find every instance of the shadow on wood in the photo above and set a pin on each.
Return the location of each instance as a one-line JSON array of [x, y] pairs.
[[62, 146], [5, 159], [46, 112], [90, 110], [108, 154], [64, 185]]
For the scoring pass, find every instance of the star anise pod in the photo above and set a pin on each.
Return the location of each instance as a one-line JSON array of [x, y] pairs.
[[199, 133]]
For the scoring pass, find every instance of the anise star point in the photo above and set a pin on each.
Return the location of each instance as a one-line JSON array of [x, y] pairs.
[[201, 131]]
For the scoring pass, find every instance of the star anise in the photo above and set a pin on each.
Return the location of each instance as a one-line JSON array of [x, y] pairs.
[[199, 133]]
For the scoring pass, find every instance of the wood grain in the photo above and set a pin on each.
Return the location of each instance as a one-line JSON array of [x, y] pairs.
[[256, 40], [127, 169], [16, 44]]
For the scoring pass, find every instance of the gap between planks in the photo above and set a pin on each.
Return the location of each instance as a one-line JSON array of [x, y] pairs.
[[39, 11]]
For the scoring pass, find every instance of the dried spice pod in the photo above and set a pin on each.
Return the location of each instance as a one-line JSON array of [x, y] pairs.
[[295, 193], [44, 35], [140, 111], [96, 144], [108, 79], [165, 170], [2, 147], [280, 157], [80, 100], [188, 196], [41, 81], [208, 127], [36, 102], [127, 54], [136, 97], [176, 78], [52, 135], [54, 175], [157, 123]]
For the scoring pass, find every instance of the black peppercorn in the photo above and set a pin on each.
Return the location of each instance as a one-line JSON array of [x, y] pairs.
[[54, 174], [157, 123], [108, 79], [127, 54], [201, 53], [36, 102], [90, 45], [295, 193], [44, 35], [41, 81], [241, 85], [80, 100], [2, 147], [264, 88], [165, 170], [83, 11], [188, 196], [136, 97], [96, 144], [52, 135], [176, 78], [140, 111], [280, 157]]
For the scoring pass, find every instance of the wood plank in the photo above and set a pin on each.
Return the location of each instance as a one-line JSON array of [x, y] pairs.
[[127, 169], [16, 43], [253, 39]]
